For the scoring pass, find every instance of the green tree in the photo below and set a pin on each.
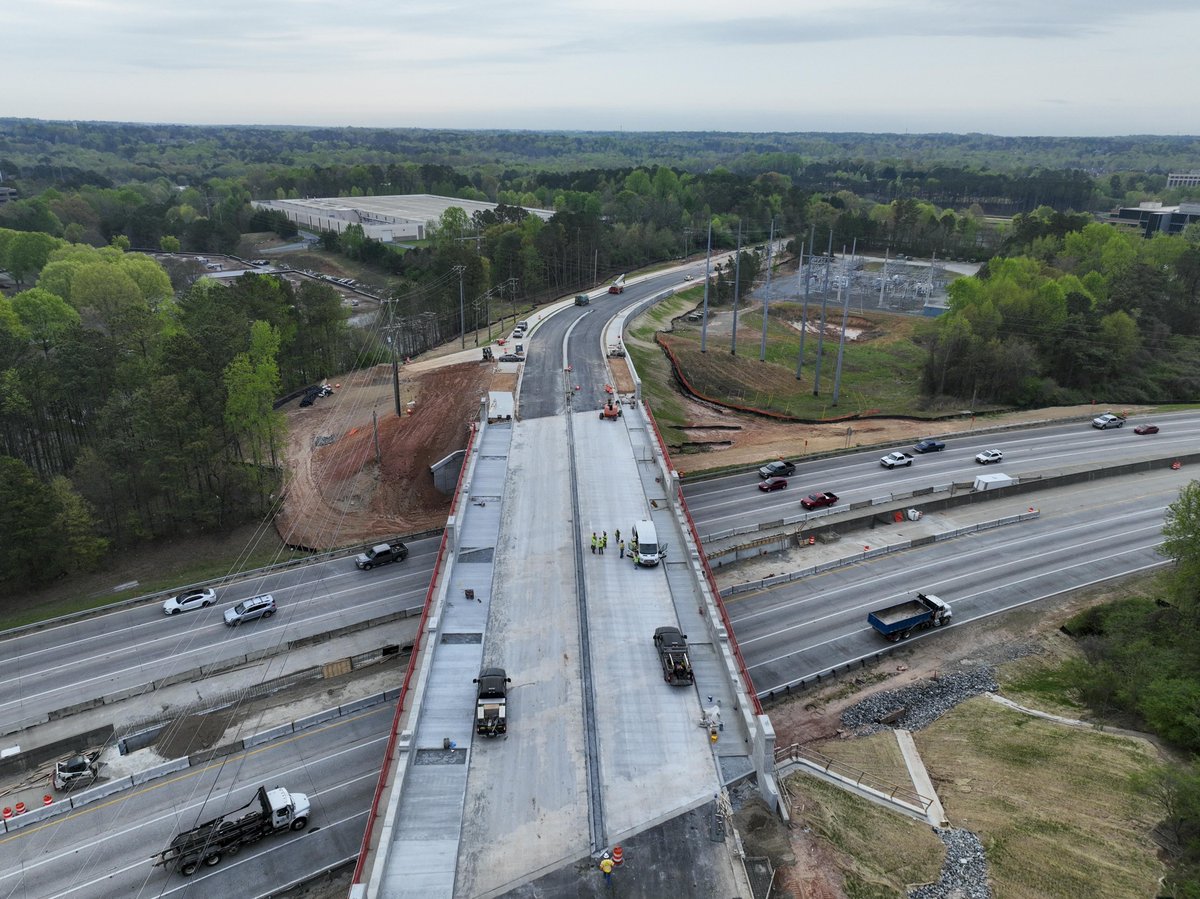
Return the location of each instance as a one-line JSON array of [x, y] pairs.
[[251, 385], [46, 316], [28, 511], [76, 524], [27, 253]]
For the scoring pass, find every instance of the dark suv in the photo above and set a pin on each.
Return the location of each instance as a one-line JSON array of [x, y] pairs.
[[249, 609]]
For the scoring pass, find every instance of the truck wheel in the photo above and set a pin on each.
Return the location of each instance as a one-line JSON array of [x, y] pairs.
[[187, 869], [906, 635], [300, 824], [214, 859], [232, 849]]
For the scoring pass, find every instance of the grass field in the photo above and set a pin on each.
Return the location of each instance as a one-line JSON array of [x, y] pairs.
[[1053, 805]]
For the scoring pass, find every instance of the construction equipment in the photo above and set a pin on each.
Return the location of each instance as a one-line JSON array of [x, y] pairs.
[[491, 703], [487, 354], [673, 654], [78, 771], [611, 410]]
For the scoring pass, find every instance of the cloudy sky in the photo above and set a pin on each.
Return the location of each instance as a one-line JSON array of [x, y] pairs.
[[1014, 67]]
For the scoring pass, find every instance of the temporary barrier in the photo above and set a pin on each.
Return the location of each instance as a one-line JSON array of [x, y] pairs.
[[618, 856]]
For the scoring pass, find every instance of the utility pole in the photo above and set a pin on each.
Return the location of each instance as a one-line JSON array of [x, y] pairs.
[[804, 313], [824, 303], [462, 315], [707, 269], [837, 373], [737, 283], [762, 350]]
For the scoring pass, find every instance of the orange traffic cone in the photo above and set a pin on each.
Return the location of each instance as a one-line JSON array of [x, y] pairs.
[[47, 799], [617, 855], [20, 808]]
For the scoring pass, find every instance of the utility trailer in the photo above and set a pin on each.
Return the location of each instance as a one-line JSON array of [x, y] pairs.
[[270, 811]]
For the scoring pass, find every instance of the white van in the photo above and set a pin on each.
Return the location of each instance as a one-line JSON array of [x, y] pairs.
[[644, 545]]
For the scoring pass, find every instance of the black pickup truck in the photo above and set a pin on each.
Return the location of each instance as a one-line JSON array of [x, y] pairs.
[[381, 554]]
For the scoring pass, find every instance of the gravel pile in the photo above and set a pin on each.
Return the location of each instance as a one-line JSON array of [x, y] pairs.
[[923, 702], [964, 872]]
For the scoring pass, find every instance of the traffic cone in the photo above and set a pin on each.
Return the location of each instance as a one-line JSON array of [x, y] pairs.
[[7, 813], [20, 808], [47, 799], [618, 856], [812, 540]]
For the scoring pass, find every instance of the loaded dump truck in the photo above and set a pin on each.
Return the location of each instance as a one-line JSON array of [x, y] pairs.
[[491, 703], [268, 812], [381, 554], [899, 621], [673, 654]]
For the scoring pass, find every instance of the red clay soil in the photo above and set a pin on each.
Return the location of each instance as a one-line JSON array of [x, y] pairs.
[[337, 494]]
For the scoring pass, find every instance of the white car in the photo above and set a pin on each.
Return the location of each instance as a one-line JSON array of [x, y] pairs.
[[987, 457], [896, 460], [193, 599], [1108, 420]]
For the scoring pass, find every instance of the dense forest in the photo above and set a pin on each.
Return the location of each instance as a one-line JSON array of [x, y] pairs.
[[1096, 311], [128, 411]]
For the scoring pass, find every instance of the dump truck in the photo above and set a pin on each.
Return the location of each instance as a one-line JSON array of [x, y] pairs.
[[673, 654], [899, 621], [491, 702], [270, 811], [381, 554]]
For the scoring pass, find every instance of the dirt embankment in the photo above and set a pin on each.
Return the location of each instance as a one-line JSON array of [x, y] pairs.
[[359, 471]]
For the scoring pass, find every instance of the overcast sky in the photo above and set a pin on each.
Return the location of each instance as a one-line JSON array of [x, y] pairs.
[[1018, 67]]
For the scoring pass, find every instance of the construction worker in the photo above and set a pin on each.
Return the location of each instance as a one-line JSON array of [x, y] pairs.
[[617, 535], [606, 866], [621, 546], [595, 542], [603, 542]]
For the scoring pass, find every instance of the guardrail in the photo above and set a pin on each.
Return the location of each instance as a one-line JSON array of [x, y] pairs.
[[811, 758]]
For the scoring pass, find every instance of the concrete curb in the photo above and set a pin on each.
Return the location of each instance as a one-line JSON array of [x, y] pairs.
[[79, 800]]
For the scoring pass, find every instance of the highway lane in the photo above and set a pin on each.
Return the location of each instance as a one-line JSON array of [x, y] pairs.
[[104, 849], [732, 501], [797, 630], [64, 665], [577, 333]]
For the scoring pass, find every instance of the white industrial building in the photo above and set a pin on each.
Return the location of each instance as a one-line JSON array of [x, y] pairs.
[[385, 219]]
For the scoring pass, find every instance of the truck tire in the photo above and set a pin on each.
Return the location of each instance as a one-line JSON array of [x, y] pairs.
[[300, 824], [213, 860], [232, 849], [187, 869]]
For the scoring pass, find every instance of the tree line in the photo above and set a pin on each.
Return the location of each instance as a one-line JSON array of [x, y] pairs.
[[130, 412], [1083, 313]]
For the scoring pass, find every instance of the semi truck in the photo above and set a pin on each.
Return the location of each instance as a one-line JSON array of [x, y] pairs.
[[270, 811], [381, 554], [673, 655], [899, 621], [491, 702]]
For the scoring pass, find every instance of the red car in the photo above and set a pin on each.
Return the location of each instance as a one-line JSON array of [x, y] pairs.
[[1146, 429], [772, 484], [819, 500]]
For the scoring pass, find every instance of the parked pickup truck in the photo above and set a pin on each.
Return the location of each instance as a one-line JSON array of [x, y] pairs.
[[381, 554], [819, 500], [899, 621], [491, 702], [673, 654], [268, 812]]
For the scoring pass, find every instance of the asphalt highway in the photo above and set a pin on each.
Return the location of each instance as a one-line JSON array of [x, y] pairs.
[[731, 501], [59, 667], [104, 849]]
